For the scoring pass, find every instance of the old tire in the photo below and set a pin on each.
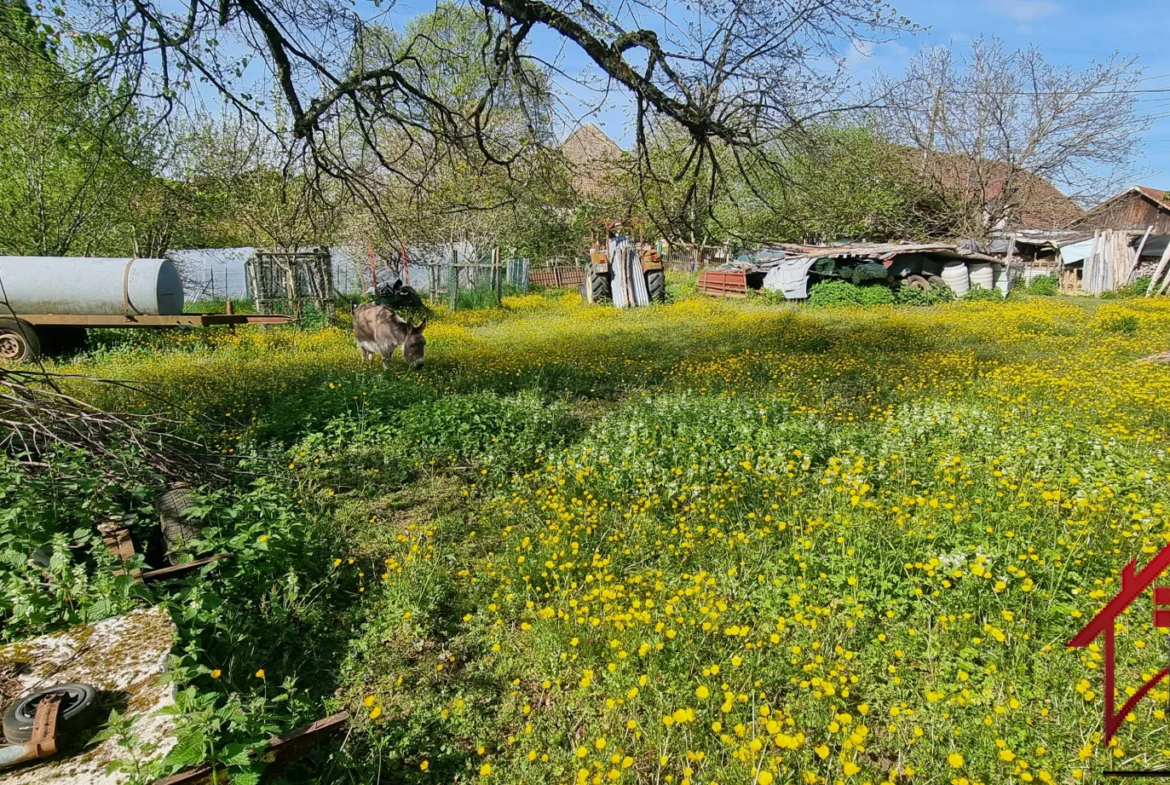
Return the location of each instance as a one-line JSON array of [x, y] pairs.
[[79, 703], [937, 282], [656, 285], [18, 342], [916, 282], [177, 528], [601, 291]]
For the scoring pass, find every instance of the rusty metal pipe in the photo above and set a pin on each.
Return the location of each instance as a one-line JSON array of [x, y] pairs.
[[13, 754], [44, 736]]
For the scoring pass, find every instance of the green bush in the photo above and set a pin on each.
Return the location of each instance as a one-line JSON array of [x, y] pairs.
[[1044, 285], [979, 294], [834, 293], [909, 295], [875, 294], [1129, 291], [841, 293]]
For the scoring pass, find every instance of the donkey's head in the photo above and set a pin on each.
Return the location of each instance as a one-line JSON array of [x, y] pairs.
[[415, 345]]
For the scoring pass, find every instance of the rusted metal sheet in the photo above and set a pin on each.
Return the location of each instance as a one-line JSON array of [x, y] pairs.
[[723, 283], [279, 752], [146, 320], [885, 251], [122, 657]]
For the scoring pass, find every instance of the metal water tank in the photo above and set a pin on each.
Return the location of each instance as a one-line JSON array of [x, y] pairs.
[[81, 285]]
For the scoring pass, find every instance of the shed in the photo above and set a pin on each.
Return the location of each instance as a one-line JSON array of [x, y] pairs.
[[1134, 209]]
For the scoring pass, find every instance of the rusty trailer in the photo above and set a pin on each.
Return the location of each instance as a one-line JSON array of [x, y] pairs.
[[724, 283], [25, 336]]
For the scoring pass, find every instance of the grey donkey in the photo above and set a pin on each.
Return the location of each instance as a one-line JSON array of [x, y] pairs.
[[379, 331]]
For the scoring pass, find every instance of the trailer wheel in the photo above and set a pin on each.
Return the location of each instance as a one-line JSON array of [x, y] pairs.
[[656, 285], [916, 282], [18, 341], [78, 704]]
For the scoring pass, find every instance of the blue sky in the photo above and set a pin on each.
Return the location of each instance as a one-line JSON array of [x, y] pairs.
[[1068, 33]]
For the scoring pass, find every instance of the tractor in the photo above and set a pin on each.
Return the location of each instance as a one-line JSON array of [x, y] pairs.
[[599, 276]]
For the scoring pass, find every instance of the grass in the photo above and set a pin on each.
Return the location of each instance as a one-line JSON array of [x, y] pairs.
[[707, 542]]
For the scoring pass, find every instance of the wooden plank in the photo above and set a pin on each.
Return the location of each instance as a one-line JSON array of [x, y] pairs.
[[280, 751], [179, 570], [1137, 257]]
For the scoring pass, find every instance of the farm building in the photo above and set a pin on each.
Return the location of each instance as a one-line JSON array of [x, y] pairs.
[[1135, 208]]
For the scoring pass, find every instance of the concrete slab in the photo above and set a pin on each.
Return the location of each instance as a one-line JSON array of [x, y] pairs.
[[122, 657]]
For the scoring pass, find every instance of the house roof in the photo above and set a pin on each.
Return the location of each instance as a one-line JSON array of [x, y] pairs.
[[1041, 204], [593, 157], [1155, 195]]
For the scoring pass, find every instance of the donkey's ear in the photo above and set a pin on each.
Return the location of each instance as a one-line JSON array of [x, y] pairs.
[[421, 326]]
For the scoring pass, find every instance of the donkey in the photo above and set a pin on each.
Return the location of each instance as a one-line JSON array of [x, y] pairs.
[[379, 331]]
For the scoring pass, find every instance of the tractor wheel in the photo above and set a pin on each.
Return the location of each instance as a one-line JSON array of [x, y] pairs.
[[656, 285], [916, 282], [18, 342], [601, 291]]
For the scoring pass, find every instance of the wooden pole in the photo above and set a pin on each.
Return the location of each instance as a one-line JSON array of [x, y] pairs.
[[1137, 257], [499, 273], [1158, 270], [452, 279]]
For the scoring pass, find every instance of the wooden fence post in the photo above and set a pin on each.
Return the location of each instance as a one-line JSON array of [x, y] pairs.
[[498, 271], [452, 279]]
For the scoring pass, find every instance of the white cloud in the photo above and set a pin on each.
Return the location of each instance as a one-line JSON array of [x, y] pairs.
[[1026, 10]]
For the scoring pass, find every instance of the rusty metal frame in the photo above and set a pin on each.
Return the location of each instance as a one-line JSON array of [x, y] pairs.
[[148, 320], [280, 751]]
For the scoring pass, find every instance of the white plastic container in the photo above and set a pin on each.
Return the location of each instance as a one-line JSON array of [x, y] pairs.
[[80, 285], [1002, 278], [955, 275], [981, 275]]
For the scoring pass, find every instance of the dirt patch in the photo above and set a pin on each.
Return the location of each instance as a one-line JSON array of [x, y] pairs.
[[1160, 357]]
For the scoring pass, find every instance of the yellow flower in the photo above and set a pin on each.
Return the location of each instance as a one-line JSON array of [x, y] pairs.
[[369, 701], [851, 768], [703, 692], [764, 778], [260, 674], [823, 751], [215, 674], [426, 764], [263, 538], [955, 759], [485, 769], [376, 713]]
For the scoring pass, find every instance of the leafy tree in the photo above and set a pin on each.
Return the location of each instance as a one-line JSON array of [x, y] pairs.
[[72, 154]]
